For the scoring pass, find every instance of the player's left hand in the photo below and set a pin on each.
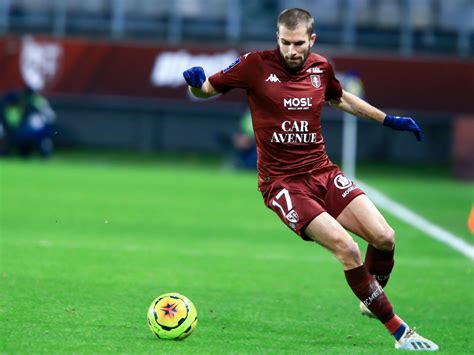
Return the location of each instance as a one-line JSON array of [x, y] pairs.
[[403, 124]]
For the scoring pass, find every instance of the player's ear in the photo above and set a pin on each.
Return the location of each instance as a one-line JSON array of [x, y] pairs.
[[312, 39], [278, 36]]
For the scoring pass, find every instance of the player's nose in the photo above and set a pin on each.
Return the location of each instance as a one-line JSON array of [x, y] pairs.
[[291, 50]]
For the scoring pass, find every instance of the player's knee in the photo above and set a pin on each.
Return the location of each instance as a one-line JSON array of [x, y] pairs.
[[353, 252], [386, 239], [348, 252]]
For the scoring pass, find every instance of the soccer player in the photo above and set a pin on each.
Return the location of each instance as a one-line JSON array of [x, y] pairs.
[[286, 89]]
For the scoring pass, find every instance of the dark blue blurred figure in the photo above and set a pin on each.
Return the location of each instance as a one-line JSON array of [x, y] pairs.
[[26, 124], [244, 144], [239, 147]]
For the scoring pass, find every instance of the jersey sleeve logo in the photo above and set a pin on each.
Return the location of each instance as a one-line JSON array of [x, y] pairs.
[[237, 61]]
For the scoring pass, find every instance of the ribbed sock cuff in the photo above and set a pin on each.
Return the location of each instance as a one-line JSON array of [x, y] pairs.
[[394, 324]]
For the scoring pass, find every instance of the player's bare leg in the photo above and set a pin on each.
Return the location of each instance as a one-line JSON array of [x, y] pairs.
[[328, 232], [364, 219]]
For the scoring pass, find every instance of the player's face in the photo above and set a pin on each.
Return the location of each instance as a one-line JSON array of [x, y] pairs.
[[295, 46]]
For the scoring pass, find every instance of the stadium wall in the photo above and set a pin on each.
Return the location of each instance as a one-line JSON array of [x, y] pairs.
[[104, 68], [130, 95], [164, 126]]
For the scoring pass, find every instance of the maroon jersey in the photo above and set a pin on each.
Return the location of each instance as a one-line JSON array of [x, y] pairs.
[[285, 107]]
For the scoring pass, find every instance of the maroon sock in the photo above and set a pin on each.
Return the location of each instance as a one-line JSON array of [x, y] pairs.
[[379, 263], [369, 291]]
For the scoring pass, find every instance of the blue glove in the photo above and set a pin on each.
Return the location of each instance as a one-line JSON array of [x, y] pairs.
[[403, 124], [195, 76]]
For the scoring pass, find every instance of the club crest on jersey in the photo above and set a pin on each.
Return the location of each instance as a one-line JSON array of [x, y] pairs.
[[316, 81], [237, 61]]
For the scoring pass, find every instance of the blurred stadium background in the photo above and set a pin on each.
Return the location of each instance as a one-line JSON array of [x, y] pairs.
[[115, 66], [95, 226]]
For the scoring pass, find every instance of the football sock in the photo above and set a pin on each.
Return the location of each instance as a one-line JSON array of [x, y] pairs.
[[379, 263], [397, 334], [369, 291], [396, 327]]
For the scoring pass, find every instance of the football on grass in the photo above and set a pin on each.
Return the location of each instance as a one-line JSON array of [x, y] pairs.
[[172, 316]]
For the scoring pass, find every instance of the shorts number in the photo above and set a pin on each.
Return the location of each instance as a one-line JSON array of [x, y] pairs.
[[290, 214], [289, 205]]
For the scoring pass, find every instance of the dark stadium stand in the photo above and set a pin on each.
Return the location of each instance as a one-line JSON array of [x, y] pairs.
[[421, 26]]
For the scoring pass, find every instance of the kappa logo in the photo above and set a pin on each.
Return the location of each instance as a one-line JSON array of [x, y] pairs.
[[273, 79]]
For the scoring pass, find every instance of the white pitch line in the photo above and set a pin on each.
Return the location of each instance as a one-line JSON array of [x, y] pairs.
[[418, 222]]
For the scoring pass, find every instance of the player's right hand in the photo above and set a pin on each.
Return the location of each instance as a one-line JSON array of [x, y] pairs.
[[195, 76]]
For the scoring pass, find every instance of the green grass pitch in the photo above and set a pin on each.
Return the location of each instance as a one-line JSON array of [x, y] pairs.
[[87, 245]]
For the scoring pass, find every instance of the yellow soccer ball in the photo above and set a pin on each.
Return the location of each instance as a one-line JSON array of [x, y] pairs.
[[172, 316]]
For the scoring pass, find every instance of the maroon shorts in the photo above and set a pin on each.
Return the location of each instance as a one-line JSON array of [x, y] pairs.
[[298, 199]]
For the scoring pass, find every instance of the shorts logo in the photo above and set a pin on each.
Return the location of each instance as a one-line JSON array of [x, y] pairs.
[[292, 216], [342, 182], [348, 191], [316, 81]]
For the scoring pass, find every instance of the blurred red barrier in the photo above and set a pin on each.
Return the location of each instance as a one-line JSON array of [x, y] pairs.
[[463, 147], [86, 67]]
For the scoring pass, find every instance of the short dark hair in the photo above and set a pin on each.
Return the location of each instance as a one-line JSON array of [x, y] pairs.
[[292, 18]]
